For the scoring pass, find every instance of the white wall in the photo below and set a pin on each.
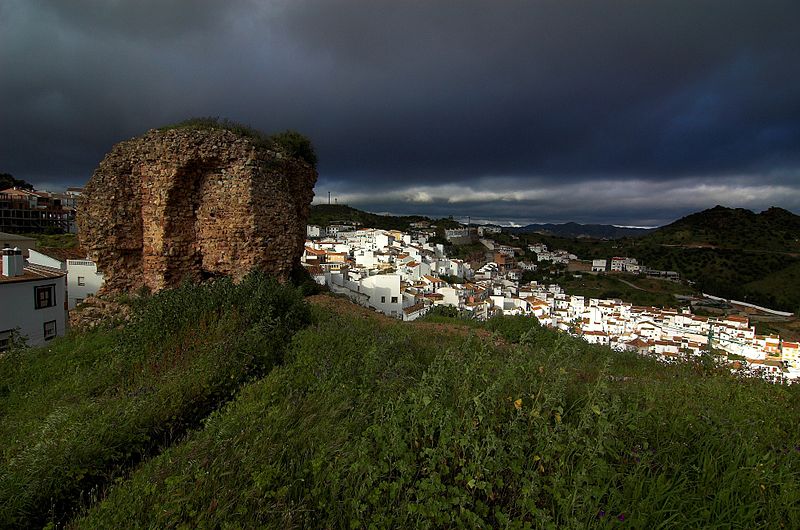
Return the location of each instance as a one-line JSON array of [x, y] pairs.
[[37, 258], [365, 258], [450, 296], [92, 280], [382, 288], [18, 309]]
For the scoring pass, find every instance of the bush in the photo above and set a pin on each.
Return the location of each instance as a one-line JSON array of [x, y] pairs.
[[290, 142], [80, 411], [513, 328], [296, 145]]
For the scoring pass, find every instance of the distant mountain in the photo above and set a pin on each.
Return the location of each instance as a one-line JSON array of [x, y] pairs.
[[592, 231], [774, 229]]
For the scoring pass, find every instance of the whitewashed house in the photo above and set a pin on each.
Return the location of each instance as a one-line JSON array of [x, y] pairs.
[[314, 231], [384, 295], [32, 301], [83, 279]]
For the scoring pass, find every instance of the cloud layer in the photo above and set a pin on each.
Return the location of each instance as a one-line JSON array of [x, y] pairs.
[[621, 111]]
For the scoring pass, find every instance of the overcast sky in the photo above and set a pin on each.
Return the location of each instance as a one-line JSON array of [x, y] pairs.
[[626, 112]]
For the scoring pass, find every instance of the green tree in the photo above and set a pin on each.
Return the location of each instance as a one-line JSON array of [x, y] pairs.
[[8, 181]]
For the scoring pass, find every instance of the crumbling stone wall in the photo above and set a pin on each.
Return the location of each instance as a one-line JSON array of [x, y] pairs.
[[189, 204]]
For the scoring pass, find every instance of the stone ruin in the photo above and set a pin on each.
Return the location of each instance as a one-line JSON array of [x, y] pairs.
[[189, 204]]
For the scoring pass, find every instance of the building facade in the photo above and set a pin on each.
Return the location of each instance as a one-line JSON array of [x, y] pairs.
[[32, 302]]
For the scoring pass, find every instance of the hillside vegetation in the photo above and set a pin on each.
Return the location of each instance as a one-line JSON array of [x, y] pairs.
[[774, 229], [290, 142], [326, 214], [632, 288], [78, 412], [733, 253], [218, 409]]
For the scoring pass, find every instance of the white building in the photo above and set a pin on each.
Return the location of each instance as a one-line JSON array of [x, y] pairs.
[[32, 301], [23, 243], [314, 231], [384, 293], [484, 230], [83, 279], [459, 233], [598, 265], [624, 264]]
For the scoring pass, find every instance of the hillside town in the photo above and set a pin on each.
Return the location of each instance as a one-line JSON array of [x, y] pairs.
[[404, 275]]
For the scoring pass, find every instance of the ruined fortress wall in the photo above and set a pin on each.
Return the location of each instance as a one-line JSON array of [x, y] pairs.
[[189, 204]]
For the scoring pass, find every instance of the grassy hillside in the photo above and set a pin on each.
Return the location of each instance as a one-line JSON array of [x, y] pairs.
[[774, 229], [629, 287], [758, 276], [326, 214], [358, 420], [77, 413], [780, 288]]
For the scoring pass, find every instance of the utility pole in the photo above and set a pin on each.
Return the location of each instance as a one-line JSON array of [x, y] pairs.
[[329, 197]]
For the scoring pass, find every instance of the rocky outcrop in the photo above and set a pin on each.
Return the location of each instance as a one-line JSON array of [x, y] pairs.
[[188, 204]]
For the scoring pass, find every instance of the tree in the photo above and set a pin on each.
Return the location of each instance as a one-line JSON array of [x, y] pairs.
[[8, 181]]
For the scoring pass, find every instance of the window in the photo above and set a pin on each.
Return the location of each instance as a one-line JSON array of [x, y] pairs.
[[45, 296], [49, 330], [5, 340], [383, 299], [81, 281], [394, 299]]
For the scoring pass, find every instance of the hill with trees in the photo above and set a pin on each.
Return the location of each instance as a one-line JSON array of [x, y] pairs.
[[733, 253], [775, 230], [225, 405], [327, 214]]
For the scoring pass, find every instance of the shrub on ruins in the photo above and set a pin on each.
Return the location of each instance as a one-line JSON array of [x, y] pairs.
[[290, 142]]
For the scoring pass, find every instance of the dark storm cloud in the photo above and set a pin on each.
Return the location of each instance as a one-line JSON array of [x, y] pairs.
[[518, 109]]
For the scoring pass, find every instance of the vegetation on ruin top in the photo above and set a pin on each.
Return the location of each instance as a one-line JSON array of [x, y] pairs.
[[291, 142]]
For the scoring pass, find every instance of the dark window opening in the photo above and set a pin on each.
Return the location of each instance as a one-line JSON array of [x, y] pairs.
[[45, 296], [49, 330]]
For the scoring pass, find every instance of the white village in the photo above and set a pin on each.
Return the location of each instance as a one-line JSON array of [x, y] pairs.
[[404, 276]]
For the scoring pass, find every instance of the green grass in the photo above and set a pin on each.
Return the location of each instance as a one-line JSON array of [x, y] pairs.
[[392, 425], [779, 289], [369, 422], [658, 293], [55, 240], [76, 413]]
